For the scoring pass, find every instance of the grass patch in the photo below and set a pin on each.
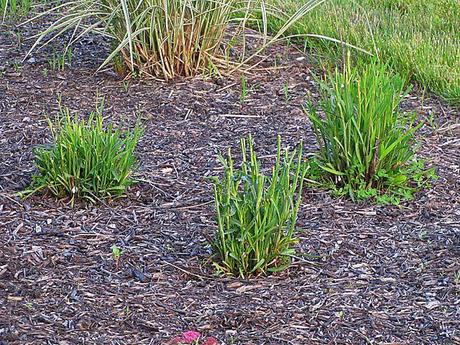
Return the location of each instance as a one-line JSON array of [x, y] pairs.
[[256, 213], [11, 9], [366, 143], [419, 39], [86, 160]]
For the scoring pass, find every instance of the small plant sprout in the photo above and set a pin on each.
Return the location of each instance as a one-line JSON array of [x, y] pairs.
[[286, 92], [58, 61], [432, 120], [213, 71], [423, 235], [457, 277], [119, 66], [19, 38], [29, 305], [116, 255], [17, 66], [116, 252], [278, 60], [244, 89], [125, 84]]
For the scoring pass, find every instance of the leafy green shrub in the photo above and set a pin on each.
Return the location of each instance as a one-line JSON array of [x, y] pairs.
[[86, 160], [366, 143], [256, 214], [165, 38]]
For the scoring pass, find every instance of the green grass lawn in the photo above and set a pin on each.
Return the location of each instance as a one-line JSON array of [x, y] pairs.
[[419, 38]]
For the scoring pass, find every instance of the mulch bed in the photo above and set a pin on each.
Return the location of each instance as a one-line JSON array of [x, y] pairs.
[[366, 274]]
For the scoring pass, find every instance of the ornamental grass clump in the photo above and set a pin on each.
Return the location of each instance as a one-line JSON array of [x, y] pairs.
[[366, 144], [86, 160], [257, 213], [167, 38]]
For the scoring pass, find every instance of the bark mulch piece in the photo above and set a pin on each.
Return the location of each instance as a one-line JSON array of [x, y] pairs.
[[365, 274]]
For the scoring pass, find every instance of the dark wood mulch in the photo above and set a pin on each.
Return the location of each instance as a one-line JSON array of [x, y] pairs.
[[370, 274]]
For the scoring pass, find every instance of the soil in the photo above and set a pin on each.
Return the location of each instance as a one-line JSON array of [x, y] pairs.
[[365, 274]]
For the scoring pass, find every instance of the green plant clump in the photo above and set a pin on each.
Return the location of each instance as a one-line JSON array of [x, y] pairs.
[[86, 160], [366, 142], [256, 213], [58, 61]]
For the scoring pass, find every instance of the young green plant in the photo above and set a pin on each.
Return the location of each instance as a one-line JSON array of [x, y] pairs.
[[257, 213], [116, 254], [244, 89], [286, 92], [58, 61]]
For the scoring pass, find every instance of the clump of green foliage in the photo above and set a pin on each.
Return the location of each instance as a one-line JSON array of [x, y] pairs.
[[85, 160], [257, 213], [57, 62], [365, 141]]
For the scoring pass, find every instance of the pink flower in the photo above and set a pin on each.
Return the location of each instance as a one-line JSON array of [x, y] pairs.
[[191, 336], [210, 341]]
